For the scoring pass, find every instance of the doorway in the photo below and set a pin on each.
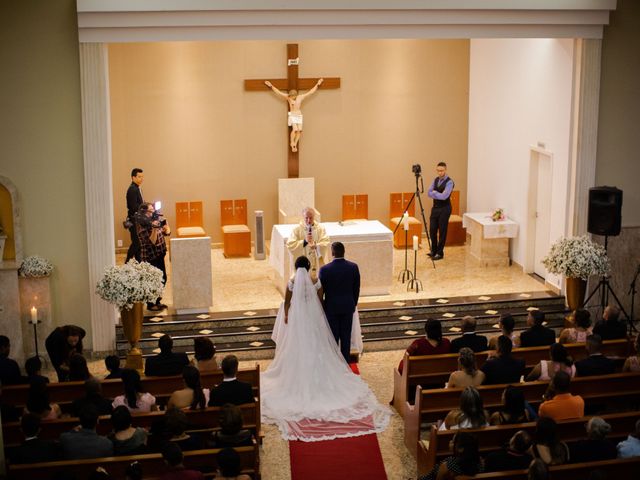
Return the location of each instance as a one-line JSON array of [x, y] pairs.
[[539, 210]]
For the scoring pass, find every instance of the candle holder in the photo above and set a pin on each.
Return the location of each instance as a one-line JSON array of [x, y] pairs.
[[406, 273], [414, 282], [35, 323]]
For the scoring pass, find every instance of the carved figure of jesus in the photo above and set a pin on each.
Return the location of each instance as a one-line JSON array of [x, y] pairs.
[[294, 117]]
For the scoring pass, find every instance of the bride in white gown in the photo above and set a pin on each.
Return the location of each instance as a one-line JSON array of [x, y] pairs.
[[309, 391]]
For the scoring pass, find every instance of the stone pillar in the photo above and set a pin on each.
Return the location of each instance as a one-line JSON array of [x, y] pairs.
[[96, 130], [584, 132]]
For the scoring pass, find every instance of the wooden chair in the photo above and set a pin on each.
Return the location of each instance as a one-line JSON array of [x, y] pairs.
[[397, 205], [189, 220], [456, 233], [235, 232], [355, 207]]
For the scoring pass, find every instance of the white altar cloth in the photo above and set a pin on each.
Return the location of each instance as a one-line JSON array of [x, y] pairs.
[[367, 242], [500, 229]]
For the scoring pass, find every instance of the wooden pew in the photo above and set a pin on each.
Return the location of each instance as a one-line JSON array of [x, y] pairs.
[[493, 438], [433, 405], [207, 419], [152, 465], [619, 468], [435, 369], [160, 387]]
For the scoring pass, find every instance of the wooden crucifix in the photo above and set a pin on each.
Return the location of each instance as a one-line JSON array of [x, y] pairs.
[[285, 86]]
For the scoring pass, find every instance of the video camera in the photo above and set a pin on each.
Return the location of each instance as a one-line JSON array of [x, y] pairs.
[[416, 169]]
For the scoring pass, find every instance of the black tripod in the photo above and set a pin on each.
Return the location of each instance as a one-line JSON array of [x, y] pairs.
[[632, 292], [417, 171], [604, 289]]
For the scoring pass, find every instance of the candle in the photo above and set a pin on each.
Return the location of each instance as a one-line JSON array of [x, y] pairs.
[[34, 315], [415, 243], [405, 221]]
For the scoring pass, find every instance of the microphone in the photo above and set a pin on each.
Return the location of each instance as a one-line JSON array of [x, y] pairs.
[[309, 229]]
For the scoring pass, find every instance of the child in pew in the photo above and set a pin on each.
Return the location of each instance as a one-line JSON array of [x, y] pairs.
[[229, 466], [112, 364], [464, 461], [33, 367], [231, 433], [38, 401]]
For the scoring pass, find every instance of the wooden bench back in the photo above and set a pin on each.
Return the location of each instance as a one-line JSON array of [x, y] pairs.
[[152, 464], [66, 392], [455, 202], [398, 203], [355, 207], [206, 419], [493, 438], [435, 369], [621, 468], [233, 212], [189, 214]]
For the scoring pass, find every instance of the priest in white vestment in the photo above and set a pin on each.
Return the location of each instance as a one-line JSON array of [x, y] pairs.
[[309, 239]]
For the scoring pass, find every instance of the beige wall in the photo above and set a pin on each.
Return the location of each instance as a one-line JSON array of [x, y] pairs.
[[179, 111], [41, 138], [618, 160]]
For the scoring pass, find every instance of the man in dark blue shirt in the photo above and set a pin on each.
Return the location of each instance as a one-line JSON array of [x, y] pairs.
[[440, 191]]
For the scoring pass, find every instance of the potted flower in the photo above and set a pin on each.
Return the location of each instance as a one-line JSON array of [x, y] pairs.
[[128, 287], [576, 258]]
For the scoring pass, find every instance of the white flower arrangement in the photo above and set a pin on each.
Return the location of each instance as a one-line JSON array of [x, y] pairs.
[[35, 266], [127, 284], [577, 257]]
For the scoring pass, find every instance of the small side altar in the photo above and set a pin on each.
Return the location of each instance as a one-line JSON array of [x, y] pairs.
[[489, 238]]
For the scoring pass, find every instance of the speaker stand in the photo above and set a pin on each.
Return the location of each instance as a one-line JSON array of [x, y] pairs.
[[604, 289]]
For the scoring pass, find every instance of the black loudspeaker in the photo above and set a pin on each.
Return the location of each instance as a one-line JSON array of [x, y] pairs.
[[605, 211]]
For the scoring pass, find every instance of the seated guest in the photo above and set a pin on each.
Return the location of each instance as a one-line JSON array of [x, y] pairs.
[[471, 413], [34, 449], [93, 396], [38, 401], [126, 439], [431, 344], [546, 445], [514, 408], [165, 363], [176, 425], [503, 368], [537, 335], [514, 456], [9, 413], [61, 344], [229, 466], [172, 455], [85, 442], [231, 433], [597, 446], [134, 398], [78, 369], [231, 390], [33, 367], [469, 338], [596, 363], [611, 327], [559, 404], [560, 361], [464, 461], [467, 374], [507, 325], [9, 369], [112, 363], [193, 396], [631, 446], [538, 470], [632, 363], [581, 330], [204, 355]]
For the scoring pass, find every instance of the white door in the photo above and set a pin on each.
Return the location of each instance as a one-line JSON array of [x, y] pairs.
[[543, 213]]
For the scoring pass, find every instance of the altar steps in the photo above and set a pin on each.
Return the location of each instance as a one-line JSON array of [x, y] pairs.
[[385, 325]]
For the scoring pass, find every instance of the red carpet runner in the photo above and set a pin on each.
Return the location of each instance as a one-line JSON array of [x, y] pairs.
[[355, 458], [351, 458]]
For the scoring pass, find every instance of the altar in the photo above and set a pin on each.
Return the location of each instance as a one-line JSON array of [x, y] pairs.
[[489, 239], [367, 242]]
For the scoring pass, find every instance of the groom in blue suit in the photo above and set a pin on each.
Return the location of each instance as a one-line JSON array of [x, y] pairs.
[[340, 281]]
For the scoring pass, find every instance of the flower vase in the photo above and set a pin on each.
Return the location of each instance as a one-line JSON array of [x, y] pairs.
[[576, 289], [132, 328]]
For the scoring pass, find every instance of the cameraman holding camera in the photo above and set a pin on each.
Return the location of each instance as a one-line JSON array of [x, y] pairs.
[[134, 200], [152, 229]]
